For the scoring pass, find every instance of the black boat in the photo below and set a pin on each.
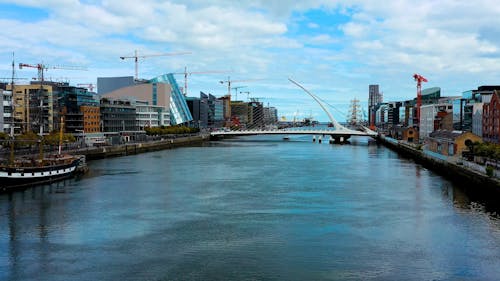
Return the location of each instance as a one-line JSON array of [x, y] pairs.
[[29, 172]]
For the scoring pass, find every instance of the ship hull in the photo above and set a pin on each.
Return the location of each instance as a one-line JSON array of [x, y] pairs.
[[20, 177]]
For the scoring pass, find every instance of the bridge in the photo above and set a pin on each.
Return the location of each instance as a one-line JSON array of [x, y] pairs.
[[337, 133]]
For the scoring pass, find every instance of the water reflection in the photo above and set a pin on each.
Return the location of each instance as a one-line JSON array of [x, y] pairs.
[[250, 210]]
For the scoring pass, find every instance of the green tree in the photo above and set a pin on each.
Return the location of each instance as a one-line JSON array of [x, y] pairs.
[[53, 138], [27, 139]]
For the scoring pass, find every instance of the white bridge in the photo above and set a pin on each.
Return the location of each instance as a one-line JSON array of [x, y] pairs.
[[337, 133]]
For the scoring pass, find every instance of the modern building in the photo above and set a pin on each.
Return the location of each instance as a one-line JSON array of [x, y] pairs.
[[6, 111], [381, 115], [477, 119], [270, 115], [148, 115], [255, 115], [374, 99], [239, 111], [467, 109], [227, 110], [117, 115], [179, 111], [34, 107], [215, 112], [429, 96], [199, 110], [80, 109], [435, 117], [107, 85], [159, 91]]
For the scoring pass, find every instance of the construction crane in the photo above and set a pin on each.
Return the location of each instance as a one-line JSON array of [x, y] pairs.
[[186, 74], [42, 67], [248, 94], [236, 91], [229, 82], [89, 86], [16, 78], [136, 58], [419, 78]]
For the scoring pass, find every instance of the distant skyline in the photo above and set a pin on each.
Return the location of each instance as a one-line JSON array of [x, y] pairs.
[[334, 48]]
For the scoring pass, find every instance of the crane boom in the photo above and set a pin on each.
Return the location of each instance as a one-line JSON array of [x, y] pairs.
[[136, 59], [186, 74], [419, 78], [229, 81], [89, 86], [42, 67]]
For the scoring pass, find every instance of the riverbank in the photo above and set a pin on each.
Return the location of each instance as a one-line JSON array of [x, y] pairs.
[[94, 153], [466, 174]]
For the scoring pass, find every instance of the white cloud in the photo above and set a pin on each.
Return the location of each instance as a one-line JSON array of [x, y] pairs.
[[454, 43]]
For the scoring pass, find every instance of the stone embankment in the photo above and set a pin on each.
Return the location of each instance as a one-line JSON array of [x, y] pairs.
[[470, 176], [93, 153]]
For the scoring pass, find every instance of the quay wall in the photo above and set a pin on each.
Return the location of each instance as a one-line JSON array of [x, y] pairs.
[[469, 179], [93, 153]]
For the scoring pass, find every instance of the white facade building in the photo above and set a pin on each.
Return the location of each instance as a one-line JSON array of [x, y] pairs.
[[428, 114], [6, 111], [151, 115]]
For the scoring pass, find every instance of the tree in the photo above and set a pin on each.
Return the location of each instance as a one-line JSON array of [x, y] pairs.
[[53, 138], [27, 139]]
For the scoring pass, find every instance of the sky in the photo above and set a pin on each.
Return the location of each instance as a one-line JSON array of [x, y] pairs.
[[335, 49]]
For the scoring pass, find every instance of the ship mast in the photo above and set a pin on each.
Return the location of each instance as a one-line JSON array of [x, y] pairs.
[[355, 113], [61, 133], [12, 91]]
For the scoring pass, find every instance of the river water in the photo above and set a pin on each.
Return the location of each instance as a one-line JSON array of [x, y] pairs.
[[252, 208]]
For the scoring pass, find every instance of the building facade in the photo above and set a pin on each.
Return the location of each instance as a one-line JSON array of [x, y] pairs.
[[107, 85], [159, 91], [34, 107], [270, 115], [491, 119], [215, 112], [450, 143], [150, 115], [434, 117], [6, 116], [80, 109], [117, 115], [374, 99]]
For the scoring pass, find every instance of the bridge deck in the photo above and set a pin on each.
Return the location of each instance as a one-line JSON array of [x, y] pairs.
[[342, 132]]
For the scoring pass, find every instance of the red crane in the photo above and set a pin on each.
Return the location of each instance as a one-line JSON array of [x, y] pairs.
[[42, 67], [419, 78]]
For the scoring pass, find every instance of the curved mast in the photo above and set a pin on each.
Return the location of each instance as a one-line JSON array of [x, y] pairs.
[[334, 122]]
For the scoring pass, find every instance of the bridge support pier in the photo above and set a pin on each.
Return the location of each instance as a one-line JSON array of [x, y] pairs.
[[339, 139], [314, 138], [319, 139]]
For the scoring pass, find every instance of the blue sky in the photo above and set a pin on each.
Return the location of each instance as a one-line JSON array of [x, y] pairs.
[[334, 48]]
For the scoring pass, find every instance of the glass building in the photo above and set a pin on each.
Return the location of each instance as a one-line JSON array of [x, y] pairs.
[[179, 110]]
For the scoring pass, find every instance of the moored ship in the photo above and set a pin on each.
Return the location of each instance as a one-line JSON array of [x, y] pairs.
[[29, 172]]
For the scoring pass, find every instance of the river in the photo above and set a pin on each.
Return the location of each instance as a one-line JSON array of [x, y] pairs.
[[250, 208]]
